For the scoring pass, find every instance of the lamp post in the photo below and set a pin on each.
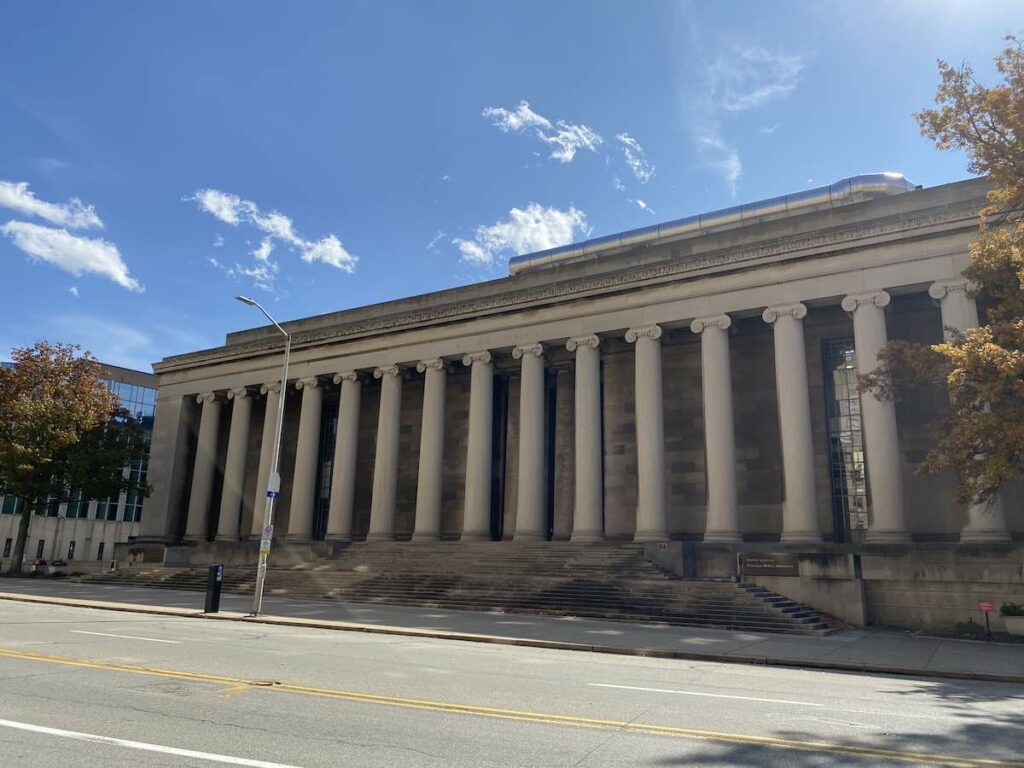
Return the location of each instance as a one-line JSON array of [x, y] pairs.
[[274, 481]]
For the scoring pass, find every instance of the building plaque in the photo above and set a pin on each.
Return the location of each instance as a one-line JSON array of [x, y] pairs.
[[784, 564]]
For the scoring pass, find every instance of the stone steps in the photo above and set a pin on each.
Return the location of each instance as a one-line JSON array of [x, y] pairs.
[[608, 581]]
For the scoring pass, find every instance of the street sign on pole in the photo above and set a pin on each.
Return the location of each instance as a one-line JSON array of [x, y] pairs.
[[985, 606]]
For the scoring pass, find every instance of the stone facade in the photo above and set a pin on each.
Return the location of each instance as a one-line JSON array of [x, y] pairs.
[[676, 391]]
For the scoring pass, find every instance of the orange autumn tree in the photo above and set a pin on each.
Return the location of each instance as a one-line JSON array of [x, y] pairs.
[[61, 428], [981, 436]]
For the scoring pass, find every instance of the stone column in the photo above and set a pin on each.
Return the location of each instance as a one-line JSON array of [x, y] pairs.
[[307, 452], [476, 520], [532, 497], [429, 482], [234, 466], [385, 464], [346, 448], [723, 522], [651, 520], [986, 521], [800, 507], [588, 511], [259, 505], [881, 439], [205, 466]]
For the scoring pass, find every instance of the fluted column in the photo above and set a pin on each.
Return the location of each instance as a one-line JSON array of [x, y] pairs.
[[431, 470], [234, 466], [588, 512], [346, 448], [651, 521], [385, 465], [205, 465], [986, 521], [881, 439], [532, 497], [723, 522], [476, 521], [800, 508], [307, 451], [259, 506]]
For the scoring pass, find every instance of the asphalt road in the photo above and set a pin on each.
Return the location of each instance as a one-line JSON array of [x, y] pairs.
[[81, 687]]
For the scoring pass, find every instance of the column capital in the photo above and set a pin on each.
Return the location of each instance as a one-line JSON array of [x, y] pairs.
[[387, 370], [722, 322], [797, 311], [536, 349], [238, 393], [433, 363], [941, 288], [311, 382], [273, 386], [206, 397], [855, 301], [590, 341], [483, 356], [644, 332], [346, 376]]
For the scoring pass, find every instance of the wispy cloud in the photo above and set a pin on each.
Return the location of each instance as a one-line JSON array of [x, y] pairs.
[[636, 158], [73, 290], [277, 227], [72, 253], [218, 241], [564, 138], [617, 183], [738, 79], [438, 237], [745, 77], [534, 228], [74, 214], [643, 206], [768, 130]]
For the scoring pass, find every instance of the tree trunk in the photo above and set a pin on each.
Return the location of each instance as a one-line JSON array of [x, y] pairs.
[[18, 555]]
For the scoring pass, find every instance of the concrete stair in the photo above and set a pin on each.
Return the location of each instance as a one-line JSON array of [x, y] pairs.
[[606, 581]]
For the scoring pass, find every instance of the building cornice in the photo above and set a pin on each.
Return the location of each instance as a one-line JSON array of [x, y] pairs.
[[676, 264]]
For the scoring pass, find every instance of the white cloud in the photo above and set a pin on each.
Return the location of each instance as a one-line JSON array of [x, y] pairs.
[[517, 119], [563, 137], [617, 183], [636, 158], [262, 253], [438, 237], [768, 130], [73, 290], [74, 254], [218, 241], [643, 206], [74, 213], [534, 228], [743, 78], [276, 226], [717, 154], [738, 79]]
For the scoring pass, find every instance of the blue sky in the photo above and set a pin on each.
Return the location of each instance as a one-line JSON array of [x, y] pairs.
[[158, 158]]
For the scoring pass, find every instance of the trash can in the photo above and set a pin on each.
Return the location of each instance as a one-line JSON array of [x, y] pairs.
[[214, 580]]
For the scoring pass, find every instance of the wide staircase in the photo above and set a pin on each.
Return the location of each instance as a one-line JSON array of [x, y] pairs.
[[606, 581]]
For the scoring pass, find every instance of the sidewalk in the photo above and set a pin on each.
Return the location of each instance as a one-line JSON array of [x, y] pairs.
[[879, 651]]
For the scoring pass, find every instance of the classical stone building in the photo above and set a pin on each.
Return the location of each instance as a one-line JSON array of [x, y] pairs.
[[693, 381]]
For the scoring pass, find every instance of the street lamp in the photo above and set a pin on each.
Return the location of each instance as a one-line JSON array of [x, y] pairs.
[[274, 481]]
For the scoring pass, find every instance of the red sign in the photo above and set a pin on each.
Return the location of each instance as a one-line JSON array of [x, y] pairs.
[[984, 606]]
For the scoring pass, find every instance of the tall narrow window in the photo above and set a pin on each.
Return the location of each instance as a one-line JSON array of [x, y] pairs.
[[846, 438]]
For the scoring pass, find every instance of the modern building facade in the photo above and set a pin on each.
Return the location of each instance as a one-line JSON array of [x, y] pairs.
[[693, 381], [87, 529]]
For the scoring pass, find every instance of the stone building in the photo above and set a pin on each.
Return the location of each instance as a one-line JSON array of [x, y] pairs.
[[692, 382]]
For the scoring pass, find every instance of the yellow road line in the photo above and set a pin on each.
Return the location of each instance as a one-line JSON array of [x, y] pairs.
[[236, 684]]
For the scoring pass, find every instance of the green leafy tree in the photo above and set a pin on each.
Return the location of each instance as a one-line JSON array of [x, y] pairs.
[[62, 429], [981, 436]]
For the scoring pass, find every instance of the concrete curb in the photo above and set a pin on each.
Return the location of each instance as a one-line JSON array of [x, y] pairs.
[[656, 653]]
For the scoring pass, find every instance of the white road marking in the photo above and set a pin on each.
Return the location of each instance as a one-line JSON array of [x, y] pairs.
[[709, 695], [228, 759], [126, 637]]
